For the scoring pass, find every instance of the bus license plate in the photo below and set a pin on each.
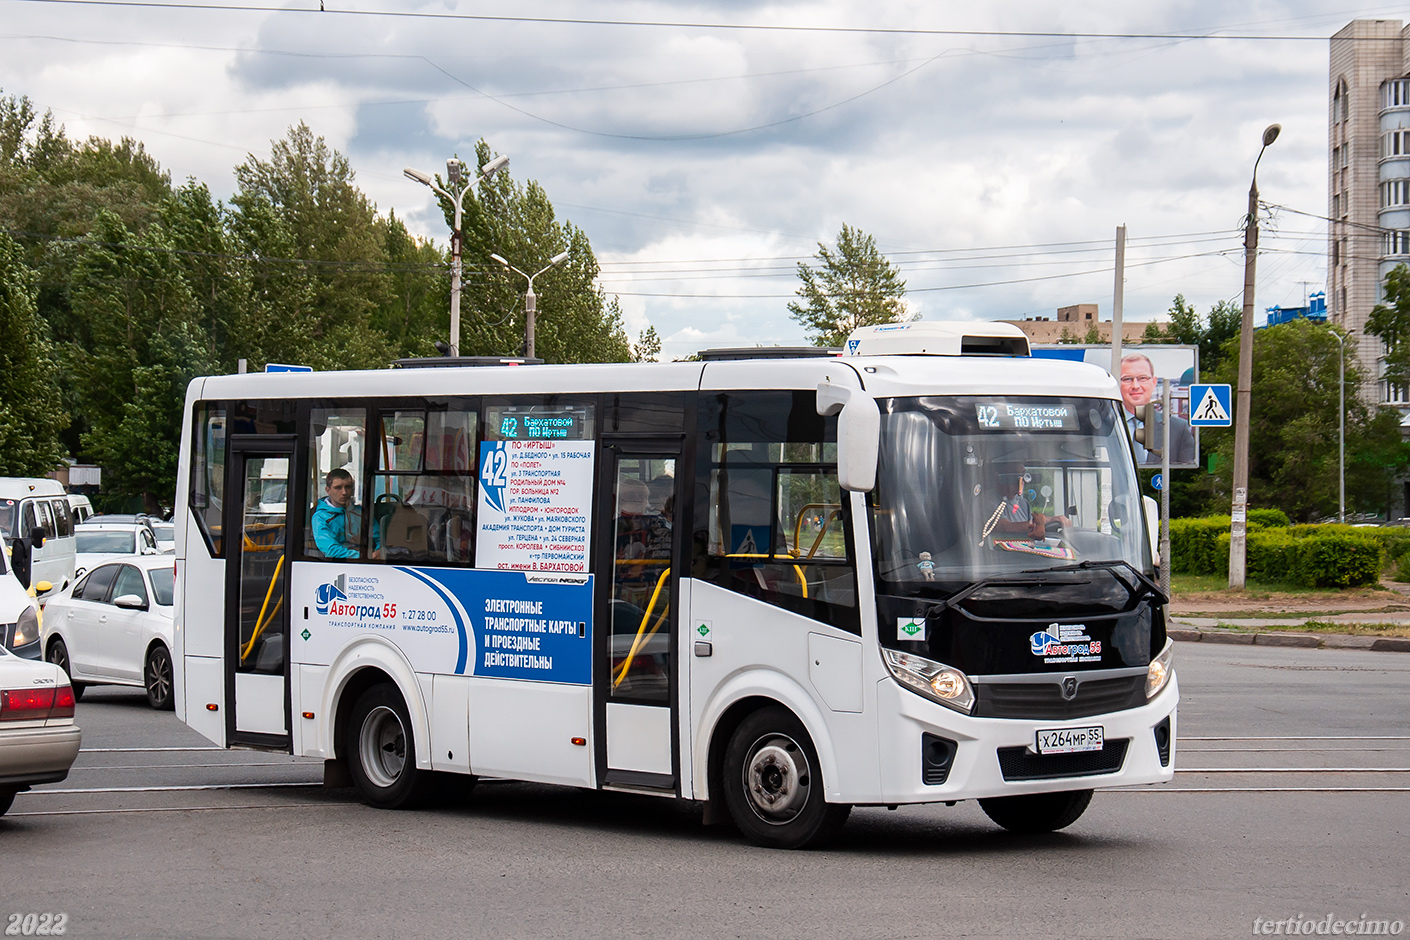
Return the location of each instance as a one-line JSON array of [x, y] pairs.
[[1070, 740]]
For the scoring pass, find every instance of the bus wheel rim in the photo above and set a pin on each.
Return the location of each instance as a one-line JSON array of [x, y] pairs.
[[777, 779], [382, 746]]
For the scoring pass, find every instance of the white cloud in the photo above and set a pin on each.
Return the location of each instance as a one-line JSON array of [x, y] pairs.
[[929, 143]]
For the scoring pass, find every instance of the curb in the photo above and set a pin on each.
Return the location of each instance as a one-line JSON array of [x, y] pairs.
[[1343, 641]]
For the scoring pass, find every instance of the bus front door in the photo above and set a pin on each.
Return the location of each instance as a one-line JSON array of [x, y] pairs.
[[635, 672], [257, 618]]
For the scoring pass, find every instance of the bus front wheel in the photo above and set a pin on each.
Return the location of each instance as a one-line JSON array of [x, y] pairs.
[[773, 785], [381, 751], [1037, 812]]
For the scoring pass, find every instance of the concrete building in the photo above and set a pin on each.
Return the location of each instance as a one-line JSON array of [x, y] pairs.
[[1073, 323], [1368, 188]]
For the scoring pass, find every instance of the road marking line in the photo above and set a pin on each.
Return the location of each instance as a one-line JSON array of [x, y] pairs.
[[187, 766], [1292, 770], [117, 750], [179, 809], [200, 786]]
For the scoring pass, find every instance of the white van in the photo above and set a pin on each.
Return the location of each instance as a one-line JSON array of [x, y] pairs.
[[80, 507], [27, 504], [19, 614]]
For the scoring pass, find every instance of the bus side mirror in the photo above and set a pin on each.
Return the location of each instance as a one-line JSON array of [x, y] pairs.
[[1152, 527], [858, 434]]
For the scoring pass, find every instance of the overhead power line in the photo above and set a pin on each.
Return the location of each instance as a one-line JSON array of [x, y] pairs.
[[695, 24]]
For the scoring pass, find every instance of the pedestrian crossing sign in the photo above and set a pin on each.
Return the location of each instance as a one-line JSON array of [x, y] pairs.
[[1210, 406]]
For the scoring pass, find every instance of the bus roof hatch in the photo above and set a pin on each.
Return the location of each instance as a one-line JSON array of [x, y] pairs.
[[938, 339]]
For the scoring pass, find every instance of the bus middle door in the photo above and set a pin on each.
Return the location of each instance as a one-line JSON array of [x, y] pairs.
[[257, 572], [635, 665]]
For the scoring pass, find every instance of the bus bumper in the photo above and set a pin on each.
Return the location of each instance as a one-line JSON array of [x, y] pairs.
[[997, 756]]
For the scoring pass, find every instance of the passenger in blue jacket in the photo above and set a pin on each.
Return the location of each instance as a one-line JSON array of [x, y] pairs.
[[334, 522]]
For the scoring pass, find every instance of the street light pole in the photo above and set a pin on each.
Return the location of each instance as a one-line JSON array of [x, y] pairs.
[[530, 298], [453, 167], [1238, 530], [1341, 424]]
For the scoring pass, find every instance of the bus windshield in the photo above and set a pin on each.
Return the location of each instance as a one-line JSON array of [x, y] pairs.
[[979, 487]]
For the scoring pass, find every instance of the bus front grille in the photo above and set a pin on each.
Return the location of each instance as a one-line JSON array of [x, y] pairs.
[[1019, 763], [1043, 700]]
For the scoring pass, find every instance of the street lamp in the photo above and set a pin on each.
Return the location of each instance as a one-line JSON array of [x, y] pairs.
[[530, 298], [453, 167], [1341, 426], [1238, 530]]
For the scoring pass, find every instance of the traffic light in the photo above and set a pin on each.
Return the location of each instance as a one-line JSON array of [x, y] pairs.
[[1145, 435]]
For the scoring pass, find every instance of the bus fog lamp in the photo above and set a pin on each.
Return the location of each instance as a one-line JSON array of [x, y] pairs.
[[1159, 671], [935, 681]]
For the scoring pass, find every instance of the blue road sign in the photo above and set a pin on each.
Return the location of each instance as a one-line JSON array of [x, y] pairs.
[[283, 367], [1158, 481], [1211, 406]]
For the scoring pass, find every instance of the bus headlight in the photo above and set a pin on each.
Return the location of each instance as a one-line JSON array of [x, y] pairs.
[[1158, 672], [27, 629], [936, 681]]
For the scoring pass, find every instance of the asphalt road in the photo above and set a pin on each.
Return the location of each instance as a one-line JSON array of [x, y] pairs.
[[1292, 798]]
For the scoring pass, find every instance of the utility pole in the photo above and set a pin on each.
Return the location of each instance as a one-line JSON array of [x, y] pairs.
[[531, 299], [1118, 300], [1238, 528], [453, 168]]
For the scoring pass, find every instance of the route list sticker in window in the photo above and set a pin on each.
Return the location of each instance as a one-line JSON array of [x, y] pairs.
[[534, 505]]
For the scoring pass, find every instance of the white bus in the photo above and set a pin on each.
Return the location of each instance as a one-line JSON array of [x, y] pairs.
[[777, 583]]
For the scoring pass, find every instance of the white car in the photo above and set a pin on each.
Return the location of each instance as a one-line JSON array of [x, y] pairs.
[[166, 536], [38, 737], [100, 541], [114, 627]]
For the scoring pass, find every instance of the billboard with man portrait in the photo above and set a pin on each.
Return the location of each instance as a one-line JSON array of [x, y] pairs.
[[1143, 368]]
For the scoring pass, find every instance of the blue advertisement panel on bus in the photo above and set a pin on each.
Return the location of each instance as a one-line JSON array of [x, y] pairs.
[[461, 621]]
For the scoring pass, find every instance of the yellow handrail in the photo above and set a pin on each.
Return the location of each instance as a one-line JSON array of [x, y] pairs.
[[798, 524], [823, 531], [260, 622], [641, 635], [796, 570]]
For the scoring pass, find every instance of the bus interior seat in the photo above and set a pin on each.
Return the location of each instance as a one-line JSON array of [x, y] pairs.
[[404, 532]]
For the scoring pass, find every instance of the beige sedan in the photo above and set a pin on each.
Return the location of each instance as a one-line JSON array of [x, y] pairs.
[[38, 737]]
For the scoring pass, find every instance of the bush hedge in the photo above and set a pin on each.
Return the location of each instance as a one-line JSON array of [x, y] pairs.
[[1306, 555], [1269, 518]]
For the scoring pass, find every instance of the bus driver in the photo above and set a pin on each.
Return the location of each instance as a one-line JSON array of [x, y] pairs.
[[334, 527]]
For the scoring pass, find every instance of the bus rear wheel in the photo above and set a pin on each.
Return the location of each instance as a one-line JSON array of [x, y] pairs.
[[1037, 812], [381, 751], [773, 786]]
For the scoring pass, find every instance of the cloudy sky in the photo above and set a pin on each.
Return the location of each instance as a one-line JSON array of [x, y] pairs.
[[706, 148]]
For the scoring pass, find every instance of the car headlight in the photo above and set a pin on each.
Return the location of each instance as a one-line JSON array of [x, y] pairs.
[[1158, 673], [936, 681], [27, 629]]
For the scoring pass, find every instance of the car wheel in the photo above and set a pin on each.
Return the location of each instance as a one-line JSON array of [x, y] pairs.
[[1037, 812], [773, 785], [381, 751], [7, 797], [156, 676], [59, 656]]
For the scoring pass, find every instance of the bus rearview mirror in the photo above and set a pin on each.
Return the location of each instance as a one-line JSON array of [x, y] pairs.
[[1152, 526], [858, 434]]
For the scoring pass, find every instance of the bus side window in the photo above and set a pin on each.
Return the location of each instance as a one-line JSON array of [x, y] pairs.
[[208, 474], [771, 520], [63, 518], [336, 524], [423, 505]]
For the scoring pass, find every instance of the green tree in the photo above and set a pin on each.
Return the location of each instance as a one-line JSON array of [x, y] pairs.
[[1209, 333], [1093, 336], [320, 274], [138, 347], [648, 347], [854, 285], [31, 412], [1293, 461], [1390, 322], [576, 321]]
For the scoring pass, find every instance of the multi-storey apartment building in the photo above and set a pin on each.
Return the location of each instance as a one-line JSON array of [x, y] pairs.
[[1368, 181]]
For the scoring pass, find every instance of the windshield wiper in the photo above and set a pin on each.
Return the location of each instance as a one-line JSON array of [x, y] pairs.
[[1088, 565]]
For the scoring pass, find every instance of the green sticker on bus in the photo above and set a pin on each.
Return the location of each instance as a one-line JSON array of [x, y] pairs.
[[909, 628]]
